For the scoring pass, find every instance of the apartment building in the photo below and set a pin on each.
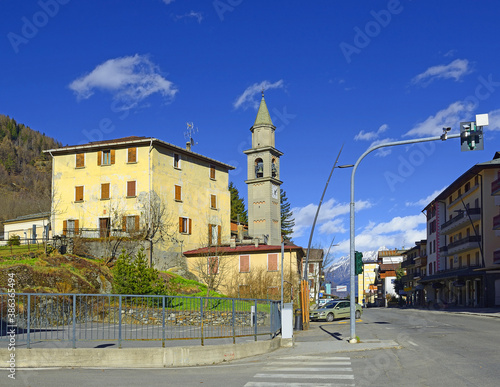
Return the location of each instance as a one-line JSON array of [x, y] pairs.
[[463, 234], [129, 186]]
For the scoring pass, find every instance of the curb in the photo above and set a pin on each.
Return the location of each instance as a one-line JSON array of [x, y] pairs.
[[141, 357]]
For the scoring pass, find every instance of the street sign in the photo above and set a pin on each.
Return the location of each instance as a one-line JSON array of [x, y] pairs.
[[342, 288]]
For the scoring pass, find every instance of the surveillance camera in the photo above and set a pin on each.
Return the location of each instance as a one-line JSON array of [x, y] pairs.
[[447, 129]]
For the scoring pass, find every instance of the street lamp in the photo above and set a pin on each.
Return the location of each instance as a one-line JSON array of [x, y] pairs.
[[482, 120]]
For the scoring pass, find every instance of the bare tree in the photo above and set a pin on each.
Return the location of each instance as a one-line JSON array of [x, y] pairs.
[[157, 223]]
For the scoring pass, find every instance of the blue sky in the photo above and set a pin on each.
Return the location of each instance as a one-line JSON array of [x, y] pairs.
[[352, 73]]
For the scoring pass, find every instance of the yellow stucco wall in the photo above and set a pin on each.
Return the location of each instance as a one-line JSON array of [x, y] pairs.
[[192, 175], [234, 279], [366, 279]]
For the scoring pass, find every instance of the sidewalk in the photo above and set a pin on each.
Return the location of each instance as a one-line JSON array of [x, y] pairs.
[[484, 312]]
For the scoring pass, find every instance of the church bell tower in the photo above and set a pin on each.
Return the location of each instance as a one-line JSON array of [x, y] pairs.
[[263, 180]]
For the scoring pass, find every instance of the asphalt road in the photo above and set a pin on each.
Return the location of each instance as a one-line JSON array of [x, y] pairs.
[[436, 349]]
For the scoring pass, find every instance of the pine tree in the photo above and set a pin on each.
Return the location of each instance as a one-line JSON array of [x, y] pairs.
[[237, 205], [287, 219]]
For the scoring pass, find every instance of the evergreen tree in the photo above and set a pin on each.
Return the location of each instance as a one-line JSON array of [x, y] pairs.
[[287, 219], [237, 205], [134, 276]]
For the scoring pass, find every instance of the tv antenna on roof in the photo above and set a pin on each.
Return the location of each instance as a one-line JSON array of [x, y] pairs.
[[188, 134]]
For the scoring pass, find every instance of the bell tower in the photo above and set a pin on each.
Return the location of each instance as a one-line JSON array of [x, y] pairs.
[[263, 180]]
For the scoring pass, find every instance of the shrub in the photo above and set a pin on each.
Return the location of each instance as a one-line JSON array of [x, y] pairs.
[[14, 240]]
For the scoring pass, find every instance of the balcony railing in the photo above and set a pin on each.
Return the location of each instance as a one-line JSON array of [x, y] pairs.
[[495, 187], [462, 217], [496, 222]]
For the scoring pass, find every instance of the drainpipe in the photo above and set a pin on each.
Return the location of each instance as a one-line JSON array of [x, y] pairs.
[[149, 188]]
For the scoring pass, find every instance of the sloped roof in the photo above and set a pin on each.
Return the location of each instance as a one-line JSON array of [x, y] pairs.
[[241, 249], [263, 117]]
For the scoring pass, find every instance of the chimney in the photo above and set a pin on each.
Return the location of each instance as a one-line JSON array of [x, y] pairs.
[[188, 145], [240, 232]]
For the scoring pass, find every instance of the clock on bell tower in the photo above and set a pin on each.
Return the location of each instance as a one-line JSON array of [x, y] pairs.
[[263, 180]]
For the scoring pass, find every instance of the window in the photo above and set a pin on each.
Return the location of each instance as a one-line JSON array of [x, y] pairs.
[[177, 160], [476, 261], [274, 170], [79, 193], [213, 265], [80, 160], [468, 260], [104, 191], [476, 203], [214, 234], [259, 168], [450, 199], [70, 227], [272, 262], [106, 157], [185, 225], [476, 180], [132, 155], [212, 172], [178, 193], [430, 268], [213, 202], [311, 269], [467, 187], [244, 263], [130, 223], [130, 189]]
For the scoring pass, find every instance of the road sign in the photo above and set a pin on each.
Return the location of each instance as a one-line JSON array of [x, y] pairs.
[[342, 288]]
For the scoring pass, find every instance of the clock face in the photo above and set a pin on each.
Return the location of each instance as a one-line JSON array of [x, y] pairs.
[[275, 192]]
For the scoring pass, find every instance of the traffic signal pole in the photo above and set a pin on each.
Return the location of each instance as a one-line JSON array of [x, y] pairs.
[[352, 260]]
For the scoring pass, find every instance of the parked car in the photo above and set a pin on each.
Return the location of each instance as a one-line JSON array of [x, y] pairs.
[[333, 310], [321, 302]]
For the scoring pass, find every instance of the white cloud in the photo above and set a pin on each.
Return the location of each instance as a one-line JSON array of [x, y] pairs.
[[425, 201], [368, 136], [248, 97], [451, 116], [327, 217], [494, 120], [455, 70], [129, 79], [398, 232], [197, 15]]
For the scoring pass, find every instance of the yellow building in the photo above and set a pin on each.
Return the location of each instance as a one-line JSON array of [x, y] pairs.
[[252, 270], [141, 186], [366, 283]]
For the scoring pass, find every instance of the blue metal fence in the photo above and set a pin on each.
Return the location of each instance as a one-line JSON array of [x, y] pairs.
[[118, 318]]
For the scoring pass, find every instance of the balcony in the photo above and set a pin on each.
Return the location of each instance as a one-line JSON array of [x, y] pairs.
[[495, 187], [408, 262], [496, 222], [496, 256], [461, 220], [467, 243], [420, 261]]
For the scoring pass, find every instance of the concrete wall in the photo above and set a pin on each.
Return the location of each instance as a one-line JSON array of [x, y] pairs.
[[139, 357]]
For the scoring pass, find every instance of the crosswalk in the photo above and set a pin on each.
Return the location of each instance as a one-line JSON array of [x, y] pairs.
[[305, 371]]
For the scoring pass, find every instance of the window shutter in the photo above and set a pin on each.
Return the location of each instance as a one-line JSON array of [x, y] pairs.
[[272, 262], [244, 263], [112, 156], [212, 172], [99, 157], [180, 224], [209, 234], [76, 227], [124, 223], [137, 223], [65, 227], [79, 193], [218, 235], [132, 155], [190, 226], [130, 188], [105, 191], [178, 193], [213, 201], [80, 160]]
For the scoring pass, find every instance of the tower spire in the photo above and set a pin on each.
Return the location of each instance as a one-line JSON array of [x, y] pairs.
[[263, 117]]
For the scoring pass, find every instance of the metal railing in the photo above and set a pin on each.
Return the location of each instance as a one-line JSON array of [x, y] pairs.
[[90, 317]]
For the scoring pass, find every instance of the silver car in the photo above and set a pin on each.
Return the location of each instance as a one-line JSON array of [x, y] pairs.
[[333, 310]]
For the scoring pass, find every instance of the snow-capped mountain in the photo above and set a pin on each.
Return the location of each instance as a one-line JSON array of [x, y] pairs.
[[338, 273]]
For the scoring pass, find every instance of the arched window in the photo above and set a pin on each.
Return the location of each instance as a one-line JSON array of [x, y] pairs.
[[259, 168], [274, 170]]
